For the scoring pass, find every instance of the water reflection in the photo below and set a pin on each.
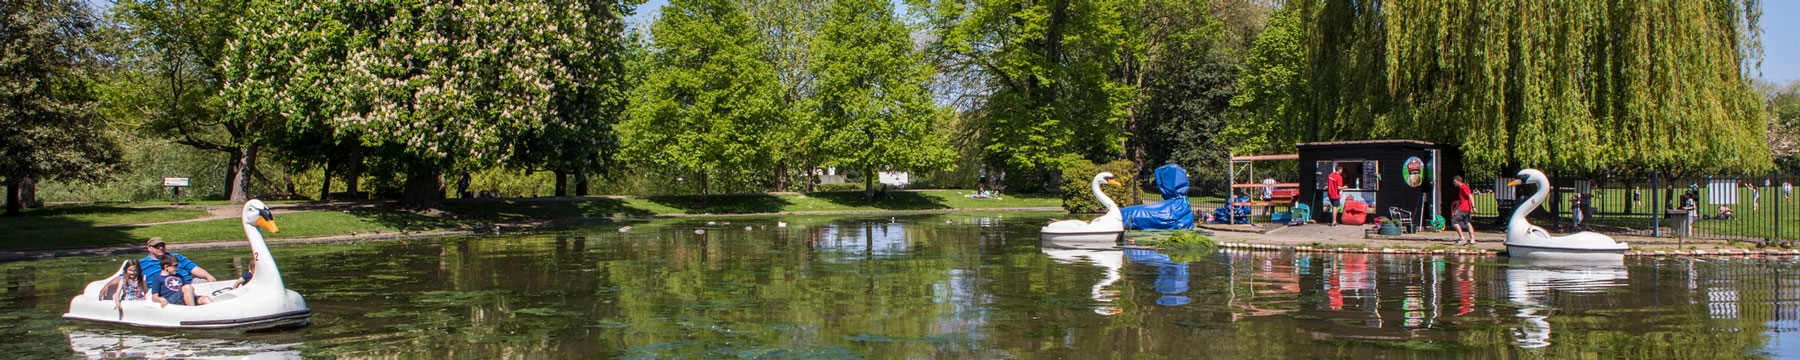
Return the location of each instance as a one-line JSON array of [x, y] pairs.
[[942, 286], [1108, 260], [119, 344], [1534, 284]]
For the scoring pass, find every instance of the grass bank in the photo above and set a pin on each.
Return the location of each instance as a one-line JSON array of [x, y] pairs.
[[73, 226]]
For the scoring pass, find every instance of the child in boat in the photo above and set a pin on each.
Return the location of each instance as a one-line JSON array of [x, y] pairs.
[[249, 272], [168, 287], [129, 285]]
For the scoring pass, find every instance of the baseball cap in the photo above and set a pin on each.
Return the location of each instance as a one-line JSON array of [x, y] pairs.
[[154, 241]]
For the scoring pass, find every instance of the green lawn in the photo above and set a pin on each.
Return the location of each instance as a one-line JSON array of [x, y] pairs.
[[63, 216], [310, 223], [75, 225], [528, 209]]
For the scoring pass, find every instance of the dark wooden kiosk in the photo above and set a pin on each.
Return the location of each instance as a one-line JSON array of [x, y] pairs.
[[1407, 179]]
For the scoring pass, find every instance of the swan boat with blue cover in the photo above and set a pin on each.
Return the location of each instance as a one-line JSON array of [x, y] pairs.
[[1524, 240], [1103, 231], [265, 302]]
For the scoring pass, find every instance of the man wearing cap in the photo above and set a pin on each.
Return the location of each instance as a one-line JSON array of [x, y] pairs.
[[183, 267]]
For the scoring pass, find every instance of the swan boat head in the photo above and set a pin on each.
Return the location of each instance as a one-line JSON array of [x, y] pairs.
[[1524, 239]]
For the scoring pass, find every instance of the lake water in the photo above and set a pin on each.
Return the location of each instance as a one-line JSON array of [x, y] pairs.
[[934, 286]]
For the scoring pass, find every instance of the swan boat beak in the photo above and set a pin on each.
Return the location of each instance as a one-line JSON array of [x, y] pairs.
[[267, 222], [1515, 182], [1113, 182]]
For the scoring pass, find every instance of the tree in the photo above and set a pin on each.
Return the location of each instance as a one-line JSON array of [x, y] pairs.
[[49, 127], [874, 109], [174, 56], [1575, 86], [588, 101], [1186, 71], [787, 29], [1051, 73], [435, 86], [709, 104]]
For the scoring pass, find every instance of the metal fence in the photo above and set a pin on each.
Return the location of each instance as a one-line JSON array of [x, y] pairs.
[[1729, 207]]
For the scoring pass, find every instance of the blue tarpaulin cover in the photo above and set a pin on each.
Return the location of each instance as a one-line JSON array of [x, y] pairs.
[[1173, 212]]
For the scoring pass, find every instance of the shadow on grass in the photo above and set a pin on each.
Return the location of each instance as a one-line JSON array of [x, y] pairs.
[[516, 210], [66, 226], [895, 200], [722, 204]]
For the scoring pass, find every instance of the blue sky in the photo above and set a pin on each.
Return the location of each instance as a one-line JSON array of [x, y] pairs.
[[1781, 37], [1781, 41]]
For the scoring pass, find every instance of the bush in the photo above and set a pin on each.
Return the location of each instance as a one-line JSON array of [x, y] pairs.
[[1079, 198], [839, 187]]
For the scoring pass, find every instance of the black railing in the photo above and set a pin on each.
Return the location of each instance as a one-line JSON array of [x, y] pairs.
[[1734, 207]]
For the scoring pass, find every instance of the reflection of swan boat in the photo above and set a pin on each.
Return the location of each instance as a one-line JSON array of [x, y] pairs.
[[1111, 260], [1529, 281], [1531, 242], [1102, 230], [265, 302], [106, 344]]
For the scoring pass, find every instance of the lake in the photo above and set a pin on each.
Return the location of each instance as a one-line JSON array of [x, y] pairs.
[[963, 285]]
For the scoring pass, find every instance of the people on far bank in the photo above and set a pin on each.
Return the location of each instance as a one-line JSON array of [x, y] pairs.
[[1268, 195], [1465, 205], [1334, 185]]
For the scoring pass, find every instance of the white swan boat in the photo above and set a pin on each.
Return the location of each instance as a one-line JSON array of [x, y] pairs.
[[1524, 240], [1102, 231], [264, 302]]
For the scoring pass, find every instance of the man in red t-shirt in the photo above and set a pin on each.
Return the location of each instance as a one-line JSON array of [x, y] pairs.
[[1465, 204], [1333, 183]]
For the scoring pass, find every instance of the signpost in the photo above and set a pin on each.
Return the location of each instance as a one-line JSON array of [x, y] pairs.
[[176, 184]]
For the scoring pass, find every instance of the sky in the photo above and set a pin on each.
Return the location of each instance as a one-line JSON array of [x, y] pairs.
[[1781, 41], [1781, 37]]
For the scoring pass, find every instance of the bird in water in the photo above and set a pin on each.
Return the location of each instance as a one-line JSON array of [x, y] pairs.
[[624, 229], [746, 228], [780, 224], [699, 231]]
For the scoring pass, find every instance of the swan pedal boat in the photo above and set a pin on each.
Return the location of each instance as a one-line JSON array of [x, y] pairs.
[[1102, 231], [1527, 241], [263, 303]]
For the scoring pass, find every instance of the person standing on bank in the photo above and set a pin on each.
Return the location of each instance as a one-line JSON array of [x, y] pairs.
[[1333, 186], [185, 268], [1465, 205], [1268, 195]]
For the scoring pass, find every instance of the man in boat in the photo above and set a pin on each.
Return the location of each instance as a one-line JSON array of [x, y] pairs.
[[185, 268], [168, 288]]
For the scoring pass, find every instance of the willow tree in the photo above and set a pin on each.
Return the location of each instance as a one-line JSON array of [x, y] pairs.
[[1620, 85]]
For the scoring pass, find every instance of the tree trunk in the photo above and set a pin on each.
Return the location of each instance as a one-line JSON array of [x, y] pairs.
[[869, 184], [240, 182], [562, 184], [423, 191], [232, 169], [781, 179], [353, 170], [703, 199], [13, 207], [325, 191], [581, 184], [28, 193]]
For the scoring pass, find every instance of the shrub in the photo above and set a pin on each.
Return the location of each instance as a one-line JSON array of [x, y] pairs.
[[1079, 198]]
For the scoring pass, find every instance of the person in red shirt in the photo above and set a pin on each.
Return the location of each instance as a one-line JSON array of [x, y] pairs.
[[1333, 184], [1465, 204]]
